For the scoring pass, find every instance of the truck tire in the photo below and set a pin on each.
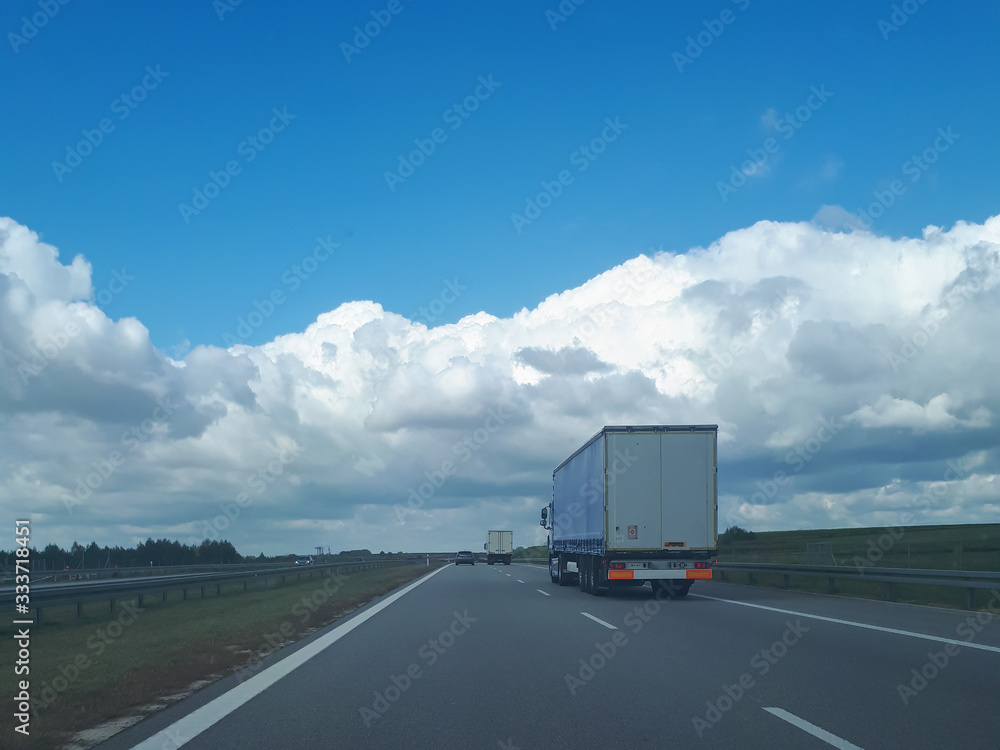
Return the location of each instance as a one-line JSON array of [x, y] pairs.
[[599, 586], [672, 589], [565, 579]]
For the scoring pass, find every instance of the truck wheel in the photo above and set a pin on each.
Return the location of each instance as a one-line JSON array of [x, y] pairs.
[[672, 589], [489, 562], [565, 579], [599, 587]]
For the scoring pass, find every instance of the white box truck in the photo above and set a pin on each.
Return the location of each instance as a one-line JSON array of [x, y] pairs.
[[499, 546], [636, 504]]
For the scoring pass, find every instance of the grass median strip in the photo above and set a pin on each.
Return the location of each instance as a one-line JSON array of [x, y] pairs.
[[101, 667]]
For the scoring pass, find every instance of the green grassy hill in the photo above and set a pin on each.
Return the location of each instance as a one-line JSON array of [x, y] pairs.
[[958, 547]]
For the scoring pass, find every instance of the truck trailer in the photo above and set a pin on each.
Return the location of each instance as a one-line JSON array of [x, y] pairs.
[[636, 504], [499, 546]]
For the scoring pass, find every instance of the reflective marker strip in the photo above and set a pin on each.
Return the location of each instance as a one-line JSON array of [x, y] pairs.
[[699, 574], [623, 574]]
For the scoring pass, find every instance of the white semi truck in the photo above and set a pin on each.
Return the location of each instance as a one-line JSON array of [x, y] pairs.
[[499, 546], [636, 504]]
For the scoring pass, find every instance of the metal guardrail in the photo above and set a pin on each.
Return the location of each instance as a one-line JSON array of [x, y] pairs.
[[970, 580], [145, 571], [54, 595]]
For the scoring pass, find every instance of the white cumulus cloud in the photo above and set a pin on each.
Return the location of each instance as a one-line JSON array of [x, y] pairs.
[[805, 345]]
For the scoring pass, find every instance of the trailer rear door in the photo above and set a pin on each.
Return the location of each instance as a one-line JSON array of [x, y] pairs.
[[632, 473], [688, 487]]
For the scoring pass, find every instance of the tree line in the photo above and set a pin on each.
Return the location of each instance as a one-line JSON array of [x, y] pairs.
[[151, 552]]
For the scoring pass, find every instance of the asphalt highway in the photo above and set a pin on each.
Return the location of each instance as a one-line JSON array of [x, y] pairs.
[[499, 657]]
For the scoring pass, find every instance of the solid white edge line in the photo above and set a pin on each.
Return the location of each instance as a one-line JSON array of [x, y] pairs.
[[815, 731], [187, 728], [519, 580], [543, 593], [866, 626], [599, 620]]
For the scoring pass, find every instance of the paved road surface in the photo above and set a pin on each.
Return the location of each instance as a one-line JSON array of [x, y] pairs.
[[499, 657]]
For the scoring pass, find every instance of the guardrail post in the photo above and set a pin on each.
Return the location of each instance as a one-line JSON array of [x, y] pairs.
[[202, 592], [244, 587], [970, 598], [750, 578], [218, 589], [140, 601], [79, 610], [831, 585], [784, 580], [111, 607], [888, 591], [38, 615], [185, 597], [164, 599]]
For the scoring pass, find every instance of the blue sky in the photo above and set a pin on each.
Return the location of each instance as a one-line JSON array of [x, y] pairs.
[[655, 186], [761, 215]]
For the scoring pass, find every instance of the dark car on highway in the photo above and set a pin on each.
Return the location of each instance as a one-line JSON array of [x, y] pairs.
[[465, 556]]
